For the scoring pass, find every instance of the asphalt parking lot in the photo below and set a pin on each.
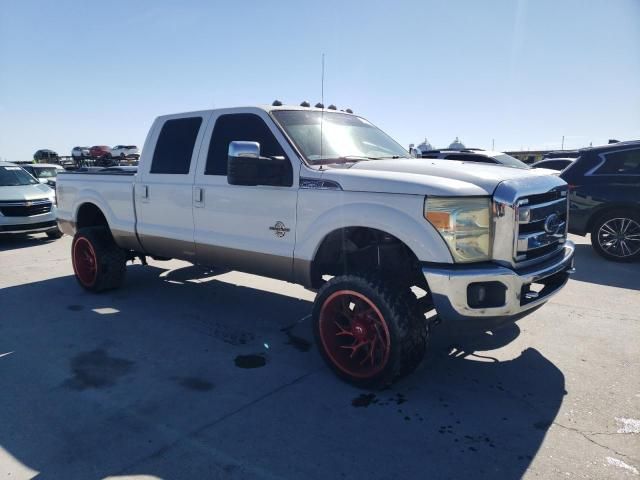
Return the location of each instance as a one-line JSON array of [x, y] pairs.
[[184, 373]]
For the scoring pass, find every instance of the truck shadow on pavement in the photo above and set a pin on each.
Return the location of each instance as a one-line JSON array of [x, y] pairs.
[[144, 381]]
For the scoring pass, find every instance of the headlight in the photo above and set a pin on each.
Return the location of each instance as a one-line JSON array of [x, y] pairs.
[[464, 223]]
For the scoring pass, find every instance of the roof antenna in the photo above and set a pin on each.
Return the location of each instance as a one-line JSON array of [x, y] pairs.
[[322, 102]]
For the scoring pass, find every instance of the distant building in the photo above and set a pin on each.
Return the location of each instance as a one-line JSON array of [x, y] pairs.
[[457, 145], [425, 146]]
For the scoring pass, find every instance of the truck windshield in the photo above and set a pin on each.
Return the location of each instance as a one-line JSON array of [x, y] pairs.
[[15, 176], [345, 137]]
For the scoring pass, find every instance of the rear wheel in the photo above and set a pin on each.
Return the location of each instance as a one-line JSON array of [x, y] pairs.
[[98, 263], [367, 332], [616, 236]]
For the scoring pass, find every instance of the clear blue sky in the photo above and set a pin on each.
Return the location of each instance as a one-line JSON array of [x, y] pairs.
[[522, 72]]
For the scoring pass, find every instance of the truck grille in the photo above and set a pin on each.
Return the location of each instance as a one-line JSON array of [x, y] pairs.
[[541, 221], [23, 208]]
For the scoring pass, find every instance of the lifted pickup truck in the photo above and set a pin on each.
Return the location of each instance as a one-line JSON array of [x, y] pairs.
[[325, 199]]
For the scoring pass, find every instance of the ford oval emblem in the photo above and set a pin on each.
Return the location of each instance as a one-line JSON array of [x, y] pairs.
[[552, 223]]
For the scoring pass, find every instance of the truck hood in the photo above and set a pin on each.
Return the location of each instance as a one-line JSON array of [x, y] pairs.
[[426, 176], [25, 192]]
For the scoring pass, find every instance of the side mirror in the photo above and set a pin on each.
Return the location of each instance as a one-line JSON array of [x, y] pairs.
[[244, 149], [245, 166]]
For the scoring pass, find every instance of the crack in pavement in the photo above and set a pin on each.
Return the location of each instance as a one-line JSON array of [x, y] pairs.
[[585, 435]]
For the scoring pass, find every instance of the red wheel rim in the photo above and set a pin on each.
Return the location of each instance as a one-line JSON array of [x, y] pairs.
[[85, 261], [354, 334]]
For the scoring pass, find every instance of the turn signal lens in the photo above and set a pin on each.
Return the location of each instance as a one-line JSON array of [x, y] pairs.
[[440, 220]]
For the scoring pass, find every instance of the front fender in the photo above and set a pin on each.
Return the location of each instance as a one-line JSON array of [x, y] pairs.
[[398, 215]]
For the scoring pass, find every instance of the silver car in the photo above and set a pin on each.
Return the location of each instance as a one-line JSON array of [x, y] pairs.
[[26, 205]]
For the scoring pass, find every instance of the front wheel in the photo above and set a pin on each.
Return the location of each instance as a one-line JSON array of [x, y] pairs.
[[99, 264], [616, 236], [369, 333]]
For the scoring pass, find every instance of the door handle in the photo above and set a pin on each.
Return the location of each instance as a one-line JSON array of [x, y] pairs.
[[145, 191], [198, 196]]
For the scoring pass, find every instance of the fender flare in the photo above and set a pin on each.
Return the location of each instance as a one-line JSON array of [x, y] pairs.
[[419, 236]]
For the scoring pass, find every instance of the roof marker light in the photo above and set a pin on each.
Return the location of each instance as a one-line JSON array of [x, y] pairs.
[[319, 105], [348, 110], [305, 104], [276, 103], [332, 107]]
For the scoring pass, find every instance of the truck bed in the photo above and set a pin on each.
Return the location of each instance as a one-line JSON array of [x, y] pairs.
[[109, 190]]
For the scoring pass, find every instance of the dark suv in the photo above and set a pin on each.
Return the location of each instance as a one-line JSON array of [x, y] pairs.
[[604, 185]]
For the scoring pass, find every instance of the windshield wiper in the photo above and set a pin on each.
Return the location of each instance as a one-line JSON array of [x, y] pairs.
[[386, 157]]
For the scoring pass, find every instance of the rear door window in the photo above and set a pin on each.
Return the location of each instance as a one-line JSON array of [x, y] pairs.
[[626, 162], [175, 144]]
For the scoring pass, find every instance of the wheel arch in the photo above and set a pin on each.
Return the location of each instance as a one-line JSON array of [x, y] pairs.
[[414, 232], [352, 249], [88, 214]]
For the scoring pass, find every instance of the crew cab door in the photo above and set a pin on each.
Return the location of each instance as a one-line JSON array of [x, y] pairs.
[[242, 227], [163, 191]]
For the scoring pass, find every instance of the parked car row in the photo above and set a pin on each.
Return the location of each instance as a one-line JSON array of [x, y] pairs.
[[96, 152]]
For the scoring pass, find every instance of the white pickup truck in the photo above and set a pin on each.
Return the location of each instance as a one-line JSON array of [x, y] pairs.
[[325, 199]]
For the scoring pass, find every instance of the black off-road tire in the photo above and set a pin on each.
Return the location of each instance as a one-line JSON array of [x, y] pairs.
[[408, 327], [604, 218], [110, 260]]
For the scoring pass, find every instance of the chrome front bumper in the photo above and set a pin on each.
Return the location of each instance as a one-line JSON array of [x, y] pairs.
[[449, 288]]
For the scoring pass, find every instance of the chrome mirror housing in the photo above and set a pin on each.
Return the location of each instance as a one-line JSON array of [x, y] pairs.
[[244, 149]]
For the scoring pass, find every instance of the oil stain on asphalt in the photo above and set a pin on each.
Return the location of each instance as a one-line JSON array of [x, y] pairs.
[[250, 361], [366, 399], [96, 369]]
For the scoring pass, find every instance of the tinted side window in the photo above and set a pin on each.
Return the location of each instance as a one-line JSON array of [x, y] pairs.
[[174, 147], [621, 163], [553, 165], [238, 127]]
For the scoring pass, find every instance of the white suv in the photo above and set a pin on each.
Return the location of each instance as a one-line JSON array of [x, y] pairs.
[[125, 151]]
